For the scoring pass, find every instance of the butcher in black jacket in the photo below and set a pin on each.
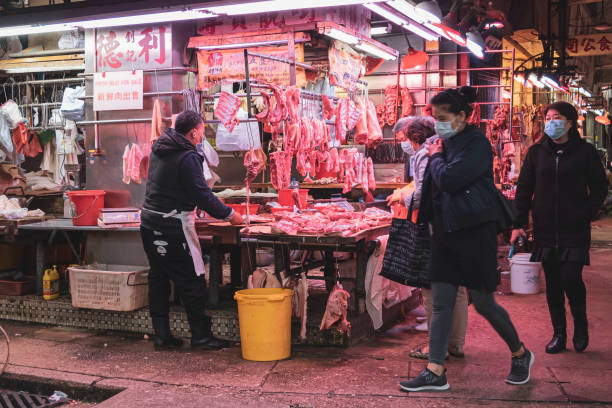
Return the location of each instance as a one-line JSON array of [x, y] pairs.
[[175, 186], [564, 184]]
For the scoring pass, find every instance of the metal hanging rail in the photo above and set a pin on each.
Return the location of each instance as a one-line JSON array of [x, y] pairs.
[[161, 93], [45, 81], [117, 121], [154, 70]]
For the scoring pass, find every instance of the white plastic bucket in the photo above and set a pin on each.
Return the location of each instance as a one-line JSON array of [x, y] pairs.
[[524, 275]]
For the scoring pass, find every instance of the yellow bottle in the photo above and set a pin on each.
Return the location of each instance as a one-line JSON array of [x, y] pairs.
[[51, 284]]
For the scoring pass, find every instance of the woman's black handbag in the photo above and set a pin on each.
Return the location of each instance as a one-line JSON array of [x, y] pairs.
[[408, 255], [506, 213]]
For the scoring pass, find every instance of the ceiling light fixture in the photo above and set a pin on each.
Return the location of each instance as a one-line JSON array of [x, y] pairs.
[[406, 9], [341, 36], [35, 29], [421, 31], [380, 30], [429, 11], [475, 43], [362, 43], [375, 51], [534, 80], [390, 15], [179, 15], [448, 33], [280, 5]]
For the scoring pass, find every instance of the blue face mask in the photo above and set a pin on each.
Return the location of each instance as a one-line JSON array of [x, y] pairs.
[[555, 128], [445, 129]]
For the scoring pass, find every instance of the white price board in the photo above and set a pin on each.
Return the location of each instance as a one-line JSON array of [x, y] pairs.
[[120, 90]]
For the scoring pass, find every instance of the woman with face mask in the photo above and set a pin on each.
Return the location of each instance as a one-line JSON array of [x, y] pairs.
[[563, 183], [460, 202], [420, 132]]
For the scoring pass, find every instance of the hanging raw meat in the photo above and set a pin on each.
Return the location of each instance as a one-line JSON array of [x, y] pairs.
[[279, 111], [371, 178], [391, 105], [226, 110], [353, 115], [361, 129], [364, 175], [293, 102], [407, 103], [375, 134], [126, 165], [292, 137], [342, 118], [328, 107], [134, 163], [336, 310], [334, 162], [474, 118], [252, 164], [263, 115], [280, 169], [156, 122], [380, 115]]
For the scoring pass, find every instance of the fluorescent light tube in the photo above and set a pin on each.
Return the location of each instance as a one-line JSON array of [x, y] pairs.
[[342, 36], [375, 51], [179, 15], [280, 5], [39, 29], [534, 80], [389, 15], [475, 48], [379, 30], [418, 30], [406, 9]]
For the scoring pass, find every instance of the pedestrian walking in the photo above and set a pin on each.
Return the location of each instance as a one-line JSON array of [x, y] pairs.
[[420, 132], [460, 202], [563, 183]]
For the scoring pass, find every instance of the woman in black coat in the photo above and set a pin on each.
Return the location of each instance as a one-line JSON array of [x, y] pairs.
[[563, 183], [460, 202]]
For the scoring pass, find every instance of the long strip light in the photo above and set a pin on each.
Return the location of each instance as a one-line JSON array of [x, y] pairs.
[[343, 36], [420, 31], [585, 92], [475, 43], [380, 30], [534, 80], [448, 33], [39, 29], [406, 9], [281, 5], [168, 16], [388, 14], [377, 52]]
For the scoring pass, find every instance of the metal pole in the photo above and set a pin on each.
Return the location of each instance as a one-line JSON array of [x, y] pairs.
[[49, 81], [511, 94], [164, 93], [155, 70], [248, 81]]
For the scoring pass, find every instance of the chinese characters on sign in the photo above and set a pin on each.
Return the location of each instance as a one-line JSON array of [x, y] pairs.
[[117, 90], [133, 48], [214, 66], [345, 67], [592, 44]]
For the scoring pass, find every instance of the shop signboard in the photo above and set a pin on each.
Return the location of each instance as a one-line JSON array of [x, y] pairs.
[[345, 66], [120, 90], [128, 48], [217, 65], [590, 44]]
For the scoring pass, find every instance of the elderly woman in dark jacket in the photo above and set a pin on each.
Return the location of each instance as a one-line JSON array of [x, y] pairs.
[[460, 202], [563, 183]]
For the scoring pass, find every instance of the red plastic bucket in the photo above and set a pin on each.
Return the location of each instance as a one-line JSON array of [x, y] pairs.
[[88, 204], [285, 197]]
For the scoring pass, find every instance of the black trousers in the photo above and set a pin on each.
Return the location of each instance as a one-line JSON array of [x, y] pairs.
[[563, 279], [170, 259]]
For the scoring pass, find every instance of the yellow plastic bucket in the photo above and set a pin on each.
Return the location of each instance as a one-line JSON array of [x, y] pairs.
[[265, 323]]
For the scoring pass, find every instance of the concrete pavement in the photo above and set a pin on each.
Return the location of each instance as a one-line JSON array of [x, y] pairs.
[[365, 375]]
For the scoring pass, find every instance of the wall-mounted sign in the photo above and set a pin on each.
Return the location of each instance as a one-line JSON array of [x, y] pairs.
[[117, 90], [130, 48], [214, 66], [345, 66], [591, 44]]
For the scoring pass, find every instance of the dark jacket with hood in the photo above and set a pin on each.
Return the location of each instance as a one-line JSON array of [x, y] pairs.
[[459, 182], [564, 186], [176, 182]]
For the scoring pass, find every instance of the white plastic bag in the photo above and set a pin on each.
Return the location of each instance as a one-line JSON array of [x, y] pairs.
[[72, 107], [70, 40], [209, 152], [12, 113], [5, 134], [244, 135]]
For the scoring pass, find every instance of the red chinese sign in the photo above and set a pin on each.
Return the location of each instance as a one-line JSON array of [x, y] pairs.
[[214, 66], [345, 66], [133, 48], [592, 44], [117, 90]]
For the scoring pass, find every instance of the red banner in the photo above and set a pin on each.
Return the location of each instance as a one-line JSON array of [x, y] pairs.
[[214, 66], [345, 66]]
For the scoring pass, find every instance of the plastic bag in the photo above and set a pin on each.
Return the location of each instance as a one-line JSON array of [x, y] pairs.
[[70, 40], [6, 140], [209, 152], [244, 136], [72, 107], [12, 113]]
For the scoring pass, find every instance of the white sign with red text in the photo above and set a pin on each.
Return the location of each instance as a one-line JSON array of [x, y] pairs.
[[121, 90]]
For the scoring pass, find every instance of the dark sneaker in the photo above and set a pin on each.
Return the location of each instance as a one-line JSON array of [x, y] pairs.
[[426, 381], [521, 369]]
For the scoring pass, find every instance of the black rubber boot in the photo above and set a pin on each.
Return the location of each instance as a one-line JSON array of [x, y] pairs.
[[581, 328], [558, 343], [163, 338]]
